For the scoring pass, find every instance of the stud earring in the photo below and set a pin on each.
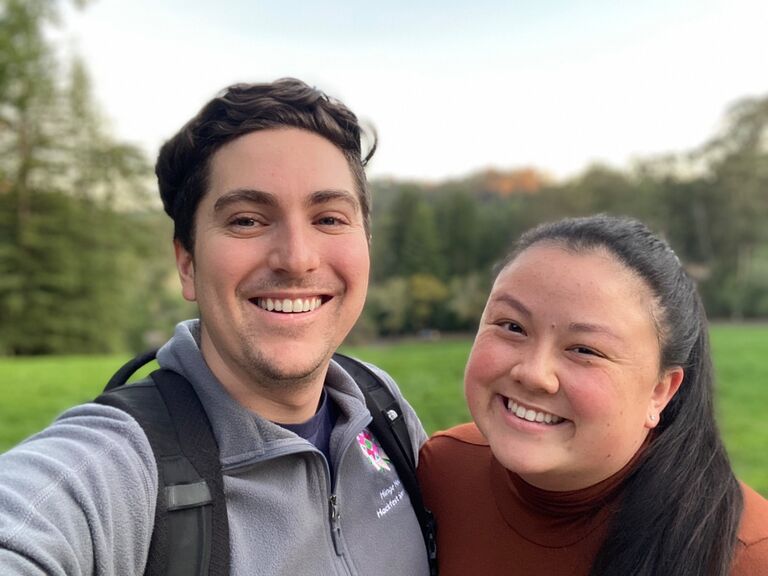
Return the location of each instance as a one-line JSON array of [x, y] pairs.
[[653, 418]]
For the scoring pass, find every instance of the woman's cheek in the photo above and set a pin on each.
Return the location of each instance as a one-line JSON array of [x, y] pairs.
[[482, 370]]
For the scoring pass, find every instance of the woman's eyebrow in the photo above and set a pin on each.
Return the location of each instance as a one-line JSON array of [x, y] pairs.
[[512, 302], [592, 328]]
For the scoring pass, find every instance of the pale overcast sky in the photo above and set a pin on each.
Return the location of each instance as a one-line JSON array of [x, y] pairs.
[[452, 87]]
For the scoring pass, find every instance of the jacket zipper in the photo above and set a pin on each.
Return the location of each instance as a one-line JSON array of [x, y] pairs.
[[335, 516]]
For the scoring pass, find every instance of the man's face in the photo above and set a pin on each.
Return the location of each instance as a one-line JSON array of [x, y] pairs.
[[280, 265]]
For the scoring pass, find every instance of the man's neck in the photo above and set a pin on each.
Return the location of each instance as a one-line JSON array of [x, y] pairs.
[[287, 406], [288, 402]]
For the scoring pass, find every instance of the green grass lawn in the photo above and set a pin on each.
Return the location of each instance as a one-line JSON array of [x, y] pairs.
[[34, 391], [741, 365]]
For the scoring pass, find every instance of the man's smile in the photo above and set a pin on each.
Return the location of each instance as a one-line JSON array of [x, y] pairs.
[[290, 305]]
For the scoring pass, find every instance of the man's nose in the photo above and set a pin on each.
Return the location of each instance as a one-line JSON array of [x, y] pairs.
[[294, 250]]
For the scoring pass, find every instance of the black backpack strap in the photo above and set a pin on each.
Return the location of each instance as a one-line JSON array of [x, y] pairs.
[[191, 532], [127, 370], [391, 430]]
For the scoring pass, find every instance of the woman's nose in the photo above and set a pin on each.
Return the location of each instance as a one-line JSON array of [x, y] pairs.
[[535, 370]]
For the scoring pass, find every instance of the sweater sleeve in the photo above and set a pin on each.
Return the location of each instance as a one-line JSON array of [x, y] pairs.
[[79, 497]]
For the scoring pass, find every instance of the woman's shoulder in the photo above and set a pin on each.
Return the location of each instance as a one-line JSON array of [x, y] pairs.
[[460, 443], [463, 434], [453, 463], [752, 549], [754, 521]]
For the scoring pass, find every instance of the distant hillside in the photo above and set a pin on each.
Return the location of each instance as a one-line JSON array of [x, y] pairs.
[[485, 184]]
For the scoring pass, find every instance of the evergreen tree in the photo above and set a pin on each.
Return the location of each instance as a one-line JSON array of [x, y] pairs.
[[66, 238], [413, 238], [457, 223]]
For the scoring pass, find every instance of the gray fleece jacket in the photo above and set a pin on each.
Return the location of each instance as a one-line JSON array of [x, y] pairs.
[[79, 497]]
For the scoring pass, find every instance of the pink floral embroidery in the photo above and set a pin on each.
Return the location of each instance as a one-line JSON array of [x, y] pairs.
[[373, 451]]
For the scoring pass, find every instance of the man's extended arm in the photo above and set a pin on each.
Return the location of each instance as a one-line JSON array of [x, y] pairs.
[[79, 497]]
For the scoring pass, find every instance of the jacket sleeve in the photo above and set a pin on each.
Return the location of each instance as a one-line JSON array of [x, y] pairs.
[[79, 497], [415, 428]]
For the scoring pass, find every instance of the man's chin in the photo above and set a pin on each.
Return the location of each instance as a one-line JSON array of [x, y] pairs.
[[289, 371]]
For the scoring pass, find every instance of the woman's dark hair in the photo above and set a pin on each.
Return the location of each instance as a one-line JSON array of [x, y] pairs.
[[183, 164], [679, 512]]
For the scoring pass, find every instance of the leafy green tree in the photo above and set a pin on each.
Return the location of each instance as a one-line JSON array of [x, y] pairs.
[[67, 190], [467, 297], [427, 295], [737, 180], [412, 239], [387, 306], [458, 228]]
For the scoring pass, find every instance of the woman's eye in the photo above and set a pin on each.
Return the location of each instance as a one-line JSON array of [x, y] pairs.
[[512, 327], [586, 351]]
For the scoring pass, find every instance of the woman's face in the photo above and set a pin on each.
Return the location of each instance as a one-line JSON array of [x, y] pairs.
[[564, 378]]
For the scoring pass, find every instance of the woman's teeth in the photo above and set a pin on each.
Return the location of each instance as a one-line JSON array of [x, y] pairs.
[[531, 415]]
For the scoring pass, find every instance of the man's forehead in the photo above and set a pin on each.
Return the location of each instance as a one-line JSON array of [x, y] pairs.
[[269, 159]]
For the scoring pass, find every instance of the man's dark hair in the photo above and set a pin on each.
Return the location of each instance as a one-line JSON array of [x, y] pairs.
[[183, 165], [680, 510]]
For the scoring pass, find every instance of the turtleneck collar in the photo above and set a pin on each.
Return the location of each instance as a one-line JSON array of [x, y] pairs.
[[556, 519]]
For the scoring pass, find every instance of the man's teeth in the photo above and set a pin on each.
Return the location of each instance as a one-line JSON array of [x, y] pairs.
[[532, 415], [289, 306]]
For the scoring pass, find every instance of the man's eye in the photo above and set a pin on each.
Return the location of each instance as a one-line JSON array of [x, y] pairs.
[[244, 222], [330, 221]]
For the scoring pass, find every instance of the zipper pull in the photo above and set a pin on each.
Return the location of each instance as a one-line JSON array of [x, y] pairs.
[[335, 516]]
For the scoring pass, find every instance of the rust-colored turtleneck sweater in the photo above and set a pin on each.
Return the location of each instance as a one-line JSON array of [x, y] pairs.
[[491, 522]]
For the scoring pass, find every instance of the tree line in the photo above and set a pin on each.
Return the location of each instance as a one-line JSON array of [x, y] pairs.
[[86, 263], [434, 246]]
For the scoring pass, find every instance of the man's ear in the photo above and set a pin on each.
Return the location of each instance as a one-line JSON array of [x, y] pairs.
[[185, 264], [663, 392]]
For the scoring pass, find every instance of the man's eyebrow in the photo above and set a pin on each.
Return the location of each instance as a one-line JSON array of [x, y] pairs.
[[244, 195], [324, 196], [512, 302]]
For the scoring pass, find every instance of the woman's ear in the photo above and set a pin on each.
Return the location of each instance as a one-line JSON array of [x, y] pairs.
[[185, 264], [663, 392]]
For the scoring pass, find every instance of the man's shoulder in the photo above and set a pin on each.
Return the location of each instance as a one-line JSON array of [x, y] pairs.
[[87, 444], [345, 362], [90, 428], [364, 374], [416, 431]]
